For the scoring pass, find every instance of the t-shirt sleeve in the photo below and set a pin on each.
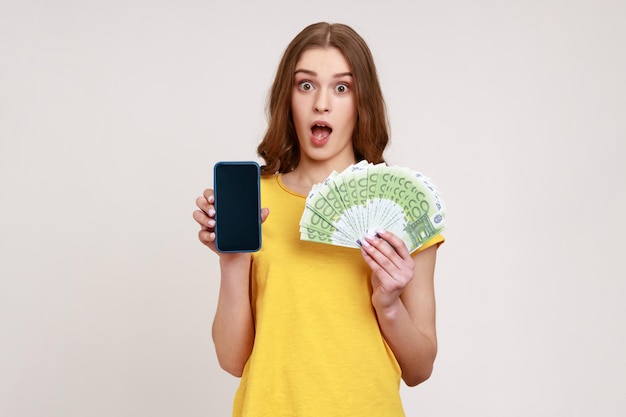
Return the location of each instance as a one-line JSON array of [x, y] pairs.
[[435, 240]]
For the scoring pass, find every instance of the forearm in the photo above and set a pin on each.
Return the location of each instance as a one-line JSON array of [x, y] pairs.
[[404, 299], [233, 327], [415, 348]]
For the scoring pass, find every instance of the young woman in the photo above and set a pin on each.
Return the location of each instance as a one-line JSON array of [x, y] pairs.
[[314, 329]]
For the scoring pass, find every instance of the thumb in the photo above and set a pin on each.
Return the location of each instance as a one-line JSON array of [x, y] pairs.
[[264, 213]]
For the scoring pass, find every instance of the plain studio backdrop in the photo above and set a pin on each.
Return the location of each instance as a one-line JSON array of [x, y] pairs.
[[113, 113]]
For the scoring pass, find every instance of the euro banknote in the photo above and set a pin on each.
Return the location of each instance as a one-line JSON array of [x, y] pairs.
[[366, 197]]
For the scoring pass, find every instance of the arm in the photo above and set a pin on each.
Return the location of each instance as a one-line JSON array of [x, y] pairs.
[[233, 327], [404, 299]]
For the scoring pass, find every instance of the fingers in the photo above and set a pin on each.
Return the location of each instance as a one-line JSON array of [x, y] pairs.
[[264, 213], [391, 265], [205, 217], [206, 237], [395, 242], [205, 221], [207, 201], [386, 249], [208, 194], [388, 256]]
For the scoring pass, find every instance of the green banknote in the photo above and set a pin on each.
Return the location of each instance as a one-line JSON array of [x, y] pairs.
[[367, 197]]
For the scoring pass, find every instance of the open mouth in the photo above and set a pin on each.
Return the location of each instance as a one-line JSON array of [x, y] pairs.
[[320, 132]]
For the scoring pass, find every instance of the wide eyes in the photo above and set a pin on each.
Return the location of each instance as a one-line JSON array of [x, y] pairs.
[[306, 86], [341, 88]]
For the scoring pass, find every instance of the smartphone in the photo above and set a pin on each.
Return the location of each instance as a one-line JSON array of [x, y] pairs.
[[237, 206]]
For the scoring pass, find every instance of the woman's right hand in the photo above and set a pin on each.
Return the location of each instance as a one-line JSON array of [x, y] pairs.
[[205, 216], [233, 326]]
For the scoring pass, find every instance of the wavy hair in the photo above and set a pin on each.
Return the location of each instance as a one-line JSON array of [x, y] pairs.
[[279, 147]]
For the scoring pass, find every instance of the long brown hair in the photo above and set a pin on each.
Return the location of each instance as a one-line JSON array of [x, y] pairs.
[[279, 148]]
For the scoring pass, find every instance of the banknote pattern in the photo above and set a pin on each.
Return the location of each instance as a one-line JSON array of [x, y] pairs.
[[366, 197]]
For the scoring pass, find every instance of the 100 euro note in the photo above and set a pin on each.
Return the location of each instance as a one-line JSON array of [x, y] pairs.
[[366, 197], [323, 220]]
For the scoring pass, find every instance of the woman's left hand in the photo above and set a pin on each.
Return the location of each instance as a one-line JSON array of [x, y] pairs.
[[392, 267]]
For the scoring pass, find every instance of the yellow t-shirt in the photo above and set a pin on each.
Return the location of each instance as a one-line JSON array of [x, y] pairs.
[[318, 350]]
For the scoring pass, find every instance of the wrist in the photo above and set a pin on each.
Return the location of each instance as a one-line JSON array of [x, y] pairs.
[[388, 311], [235, 267], [234, 260]]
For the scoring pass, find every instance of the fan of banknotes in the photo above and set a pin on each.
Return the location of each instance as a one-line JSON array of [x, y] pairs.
[[366, 197]]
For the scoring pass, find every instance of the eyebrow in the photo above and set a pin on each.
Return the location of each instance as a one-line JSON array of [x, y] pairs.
[[313, 73]]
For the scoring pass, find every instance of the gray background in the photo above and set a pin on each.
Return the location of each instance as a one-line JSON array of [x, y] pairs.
[[113, 113]]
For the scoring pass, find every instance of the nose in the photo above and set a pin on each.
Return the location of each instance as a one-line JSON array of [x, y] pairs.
[[322, 101]]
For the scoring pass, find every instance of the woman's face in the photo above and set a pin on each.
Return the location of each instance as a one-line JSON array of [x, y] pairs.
[[324, 106]]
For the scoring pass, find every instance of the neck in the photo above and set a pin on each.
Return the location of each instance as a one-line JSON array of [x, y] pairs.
[[309, 173]]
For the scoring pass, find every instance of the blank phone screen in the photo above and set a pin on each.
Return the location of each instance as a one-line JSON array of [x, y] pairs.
[[237, 206]]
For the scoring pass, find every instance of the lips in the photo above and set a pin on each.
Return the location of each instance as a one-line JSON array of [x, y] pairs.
[[320, 132]]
